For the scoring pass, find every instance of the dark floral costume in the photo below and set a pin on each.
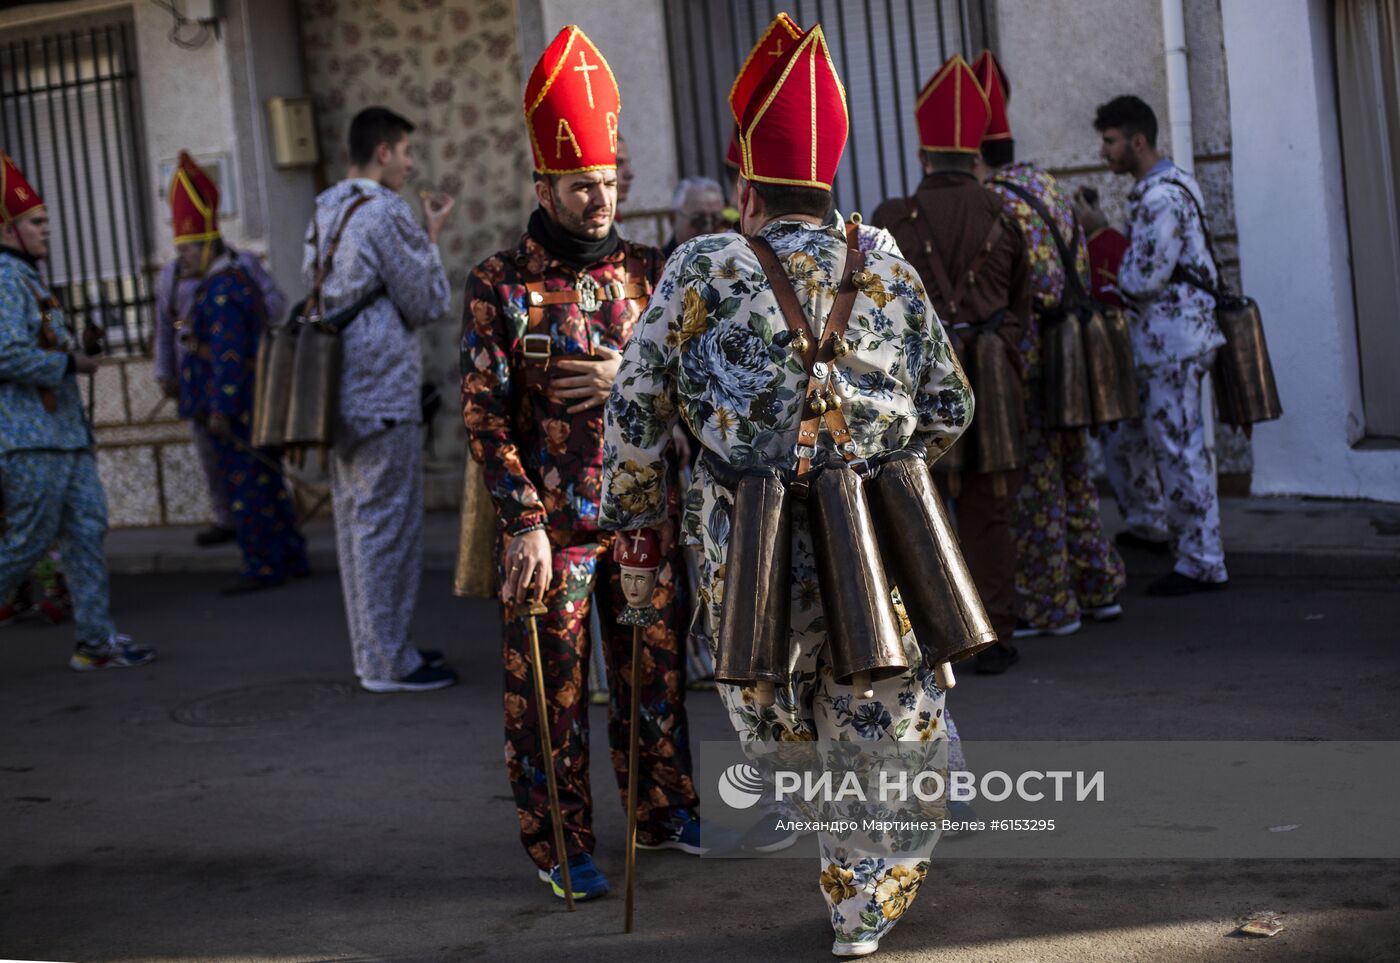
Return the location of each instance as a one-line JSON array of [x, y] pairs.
[[543, 467]]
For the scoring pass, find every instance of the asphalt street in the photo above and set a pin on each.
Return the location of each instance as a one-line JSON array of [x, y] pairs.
[[240, 800]]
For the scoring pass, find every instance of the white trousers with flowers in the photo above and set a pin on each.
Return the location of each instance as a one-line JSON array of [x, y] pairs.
[[866, 895], [1162, 472]]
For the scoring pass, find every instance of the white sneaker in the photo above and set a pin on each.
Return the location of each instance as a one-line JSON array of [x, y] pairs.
[[425, 678], [863, 948], [1105, 613], [116, 653]]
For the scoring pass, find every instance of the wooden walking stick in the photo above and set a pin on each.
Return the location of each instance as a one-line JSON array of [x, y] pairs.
[[530, 612], [638, 555]]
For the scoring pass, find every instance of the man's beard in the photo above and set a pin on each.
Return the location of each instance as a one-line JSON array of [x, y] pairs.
[[578, 225]]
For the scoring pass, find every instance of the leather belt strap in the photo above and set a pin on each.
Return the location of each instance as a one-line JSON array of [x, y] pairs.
[[822, 351], [323, 268], [535, 350]]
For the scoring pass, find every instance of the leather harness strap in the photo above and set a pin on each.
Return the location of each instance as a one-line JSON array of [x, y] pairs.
[[953, 294], [821, 352], [535, 350], [48, 338], [323, 269]]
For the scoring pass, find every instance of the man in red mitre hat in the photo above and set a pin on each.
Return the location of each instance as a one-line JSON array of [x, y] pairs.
[[718, 350], [49, 489], [1066, 569], [220, 340], [543, 331], [954, 228], [174, 301]]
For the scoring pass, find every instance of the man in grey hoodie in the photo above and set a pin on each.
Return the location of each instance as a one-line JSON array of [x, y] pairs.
[[376, 469]]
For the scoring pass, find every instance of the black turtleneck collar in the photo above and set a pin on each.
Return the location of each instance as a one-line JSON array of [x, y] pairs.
[[575, 252]]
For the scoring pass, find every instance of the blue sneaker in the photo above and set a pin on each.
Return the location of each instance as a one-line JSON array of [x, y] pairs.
[[586, 879], [685, 835]]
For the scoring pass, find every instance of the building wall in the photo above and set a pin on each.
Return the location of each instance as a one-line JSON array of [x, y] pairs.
[[1295, 251], [207, 100], [453, 68]]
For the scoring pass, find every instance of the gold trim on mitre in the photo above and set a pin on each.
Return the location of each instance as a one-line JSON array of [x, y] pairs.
[[782, 19], [927, 92], [814, 36], [574, 33]]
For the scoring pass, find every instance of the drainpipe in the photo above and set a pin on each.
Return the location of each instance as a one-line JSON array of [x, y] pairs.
[[1178, 84], [1182, 148]]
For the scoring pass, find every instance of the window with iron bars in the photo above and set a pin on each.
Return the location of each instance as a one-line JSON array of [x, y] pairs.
[[884, 51], [70, 117]]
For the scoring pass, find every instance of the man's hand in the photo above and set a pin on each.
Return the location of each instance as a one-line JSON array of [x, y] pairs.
[[169, 387], [592, 384], [436, 207], [529, 565], [84, 363]]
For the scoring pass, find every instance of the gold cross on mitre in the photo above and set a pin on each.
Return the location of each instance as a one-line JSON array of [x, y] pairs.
[[637, 539], [586, 68], [778, 50]]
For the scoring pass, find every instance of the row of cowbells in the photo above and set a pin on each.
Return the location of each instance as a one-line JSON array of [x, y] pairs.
[[296, 387], [886, 530], [1087, 357]]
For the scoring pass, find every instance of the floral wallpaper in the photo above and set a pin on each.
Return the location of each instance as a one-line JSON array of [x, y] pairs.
[[453, 68]]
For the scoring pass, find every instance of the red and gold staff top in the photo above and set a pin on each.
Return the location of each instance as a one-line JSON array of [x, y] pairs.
[[571, 107], [795, 124], [194, 202], [994, 84], [17, 197], [952, 110], [780, 37]]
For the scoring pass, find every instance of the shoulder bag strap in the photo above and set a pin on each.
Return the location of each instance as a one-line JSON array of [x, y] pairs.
[[835, 330], [953, 294], [1074, 286], [1187, 275], [325, 262]]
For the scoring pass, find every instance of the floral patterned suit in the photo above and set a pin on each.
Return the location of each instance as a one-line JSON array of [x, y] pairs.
[[712, 350], [543, 468]]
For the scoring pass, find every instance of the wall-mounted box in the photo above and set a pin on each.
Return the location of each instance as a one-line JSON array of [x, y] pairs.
[[291, 122]]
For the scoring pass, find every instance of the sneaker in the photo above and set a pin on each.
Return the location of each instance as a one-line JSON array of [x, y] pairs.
[[1104, 613], [425, 678], [960, 812], [214, 535], [995, 659], [685, 835], [432, 657], [1174, 583], [585, 879], [1157, 546], [116, 653], [862, 948], [1024, 630]]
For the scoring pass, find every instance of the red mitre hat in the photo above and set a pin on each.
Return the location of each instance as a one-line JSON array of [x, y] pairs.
[[571, 107], [17, 197], [794, 127], [638, 549], [194, 202], [780, 37], [994, 84], [952, 110]]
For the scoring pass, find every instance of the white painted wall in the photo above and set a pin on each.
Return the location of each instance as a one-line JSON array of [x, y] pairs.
[[1294, 251]]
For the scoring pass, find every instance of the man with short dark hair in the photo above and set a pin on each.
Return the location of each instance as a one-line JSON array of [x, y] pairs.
[[1161, 470], [544, 325], [49, 487], [1066, 568], [376, 463]]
